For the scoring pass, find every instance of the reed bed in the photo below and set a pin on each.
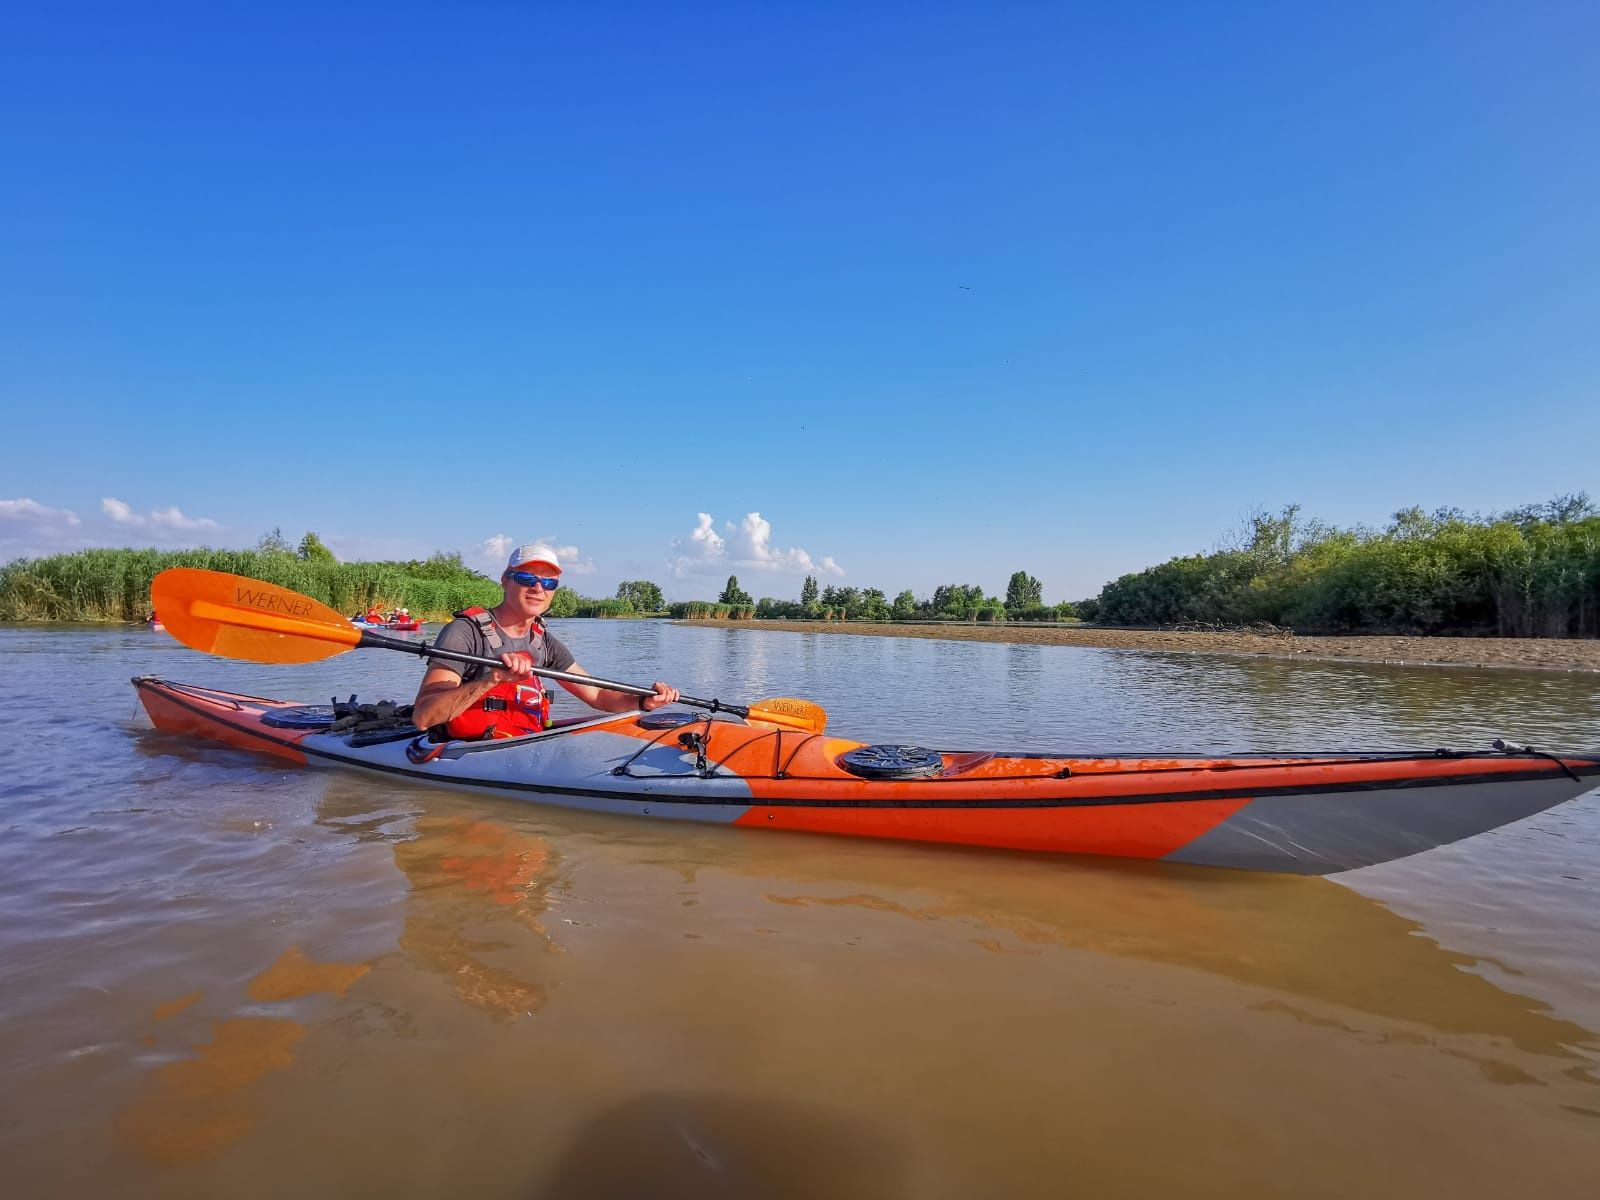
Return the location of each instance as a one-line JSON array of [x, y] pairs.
[[114, 585]]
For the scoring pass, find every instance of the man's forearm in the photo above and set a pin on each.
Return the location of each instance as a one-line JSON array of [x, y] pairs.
[[440, 707], [614, 702]]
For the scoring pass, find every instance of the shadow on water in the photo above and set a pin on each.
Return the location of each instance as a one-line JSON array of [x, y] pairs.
[[701, 1146]]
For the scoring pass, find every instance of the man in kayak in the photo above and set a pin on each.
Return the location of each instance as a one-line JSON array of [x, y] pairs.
[[465, 700]]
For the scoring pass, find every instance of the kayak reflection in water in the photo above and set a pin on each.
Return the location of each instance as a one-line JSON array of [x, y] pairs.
[[462, 700], [467, 875]]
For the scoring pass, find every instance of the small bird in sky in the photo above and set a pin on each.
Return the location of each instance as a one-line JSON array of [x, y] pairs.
[[963, 287]]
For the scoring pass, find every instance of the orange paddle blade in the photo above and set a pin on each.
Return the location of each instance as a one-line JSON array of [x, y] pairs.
[[804, 715], [244, 618]]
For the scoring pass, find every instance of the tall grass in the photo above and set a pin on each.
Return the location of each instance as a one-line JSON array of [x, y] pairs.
[[605, 608], [704, 610], [114, 585]]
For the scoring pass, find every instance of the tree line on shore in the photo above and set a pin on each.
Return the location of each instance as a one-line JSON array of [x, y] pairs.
[[1023, 601], [1530, 572]]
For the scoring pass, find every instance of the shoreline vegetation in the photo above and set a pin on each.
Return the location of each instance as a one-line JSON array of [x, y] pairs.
[[1520, 588], [114, 585]]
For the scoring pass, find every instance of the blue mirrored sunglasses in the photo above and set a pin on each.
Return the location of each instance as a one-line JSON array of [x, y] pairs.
[[548, 582]]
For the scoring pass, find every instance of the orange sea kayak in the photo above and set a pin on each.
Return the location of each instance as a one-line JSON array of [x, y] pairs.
[[1302, 813]]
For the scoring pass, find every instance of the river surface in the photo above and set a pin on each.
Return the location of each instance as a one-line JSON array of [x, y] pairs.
[[223, 976]]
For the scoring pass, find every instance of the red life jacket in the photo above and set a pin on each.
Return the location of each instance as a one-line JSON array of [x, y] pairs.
[[508, 709]]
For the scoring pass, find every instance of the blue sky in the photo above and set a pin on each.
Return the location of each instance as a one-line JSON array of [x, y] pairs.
[[940, 291]]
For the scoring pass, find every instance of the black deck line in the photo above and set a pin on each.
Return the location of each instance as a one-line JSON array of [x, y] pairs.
[[953, 803]]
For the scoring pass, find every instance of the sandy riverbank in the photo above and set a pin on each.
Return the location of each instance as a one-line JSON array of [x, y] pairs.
[[1545, 654]]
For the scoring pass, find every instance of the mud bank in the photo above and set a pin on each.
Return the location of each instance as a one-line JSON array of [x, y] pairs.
[[1543, 654]]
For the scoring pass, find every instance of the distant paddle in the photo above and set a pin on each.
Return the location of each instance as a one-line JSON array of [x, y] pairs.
[[236, 617]]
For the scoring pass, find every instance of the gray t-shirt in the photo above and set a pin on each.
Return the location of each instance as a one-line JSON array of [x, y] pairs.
[[463, 634]]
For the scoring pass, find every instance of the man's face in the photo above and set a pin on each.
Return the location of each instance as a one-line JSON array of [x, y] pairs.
[[527, 601]]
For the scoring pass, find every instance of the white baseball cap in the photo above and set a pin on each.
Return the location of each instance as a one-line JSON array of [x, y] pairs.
[[535, 552]]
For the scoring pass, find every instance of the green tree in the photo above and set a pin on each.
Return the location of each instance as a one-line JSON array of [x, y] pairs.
[[808, 590], [312, 549], [769, 609], [274, 542], [565, 603], [1024, 591], [957, 600], [845, 601], [1563, 510], [732, 593], [905, 606], [642, 594]]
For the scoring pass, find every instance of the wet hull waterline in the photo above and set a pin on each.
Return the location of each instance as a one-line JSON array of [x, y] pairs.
[[1309, 814]]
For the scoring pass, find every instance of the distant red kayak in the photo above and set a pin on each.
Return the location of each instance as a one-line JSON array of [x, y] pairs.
[[406, 625]]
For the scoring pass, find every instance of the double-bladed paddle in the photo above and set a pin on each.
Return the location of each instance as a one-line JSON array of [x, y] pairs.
[[238, 617]]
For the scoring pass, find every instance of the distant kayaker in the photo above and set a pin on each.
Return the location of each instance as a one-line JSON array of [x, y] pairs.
[[465, 700]]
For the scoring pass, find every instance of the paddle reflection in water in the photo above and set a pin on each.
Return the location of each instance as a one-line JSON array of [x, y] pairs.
[[194, 1107]]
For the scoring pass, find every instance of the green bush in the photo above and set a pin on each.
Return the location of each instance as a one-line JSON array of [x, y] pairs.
[[1530, 573], [1065, 611]]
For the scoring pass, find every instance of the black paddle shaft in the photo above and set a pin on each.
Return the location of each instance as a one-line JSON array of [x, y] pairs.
[[426, 650]]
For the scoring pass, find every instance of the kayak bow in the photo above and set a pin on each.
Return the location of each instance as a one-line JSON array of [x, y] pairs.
[[1309, 814]]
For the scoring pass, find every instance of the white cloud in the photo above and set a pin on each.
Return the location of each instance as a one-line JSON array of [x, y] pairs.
[[747, 546], [32, 514], [28, 529], [494, 550], [160, 520], [119, 512], [572, 560], [702, 552]]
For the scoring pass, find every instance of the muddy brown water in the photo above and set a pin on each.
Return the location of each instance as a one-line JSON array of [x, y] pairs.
[[223, 976]]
